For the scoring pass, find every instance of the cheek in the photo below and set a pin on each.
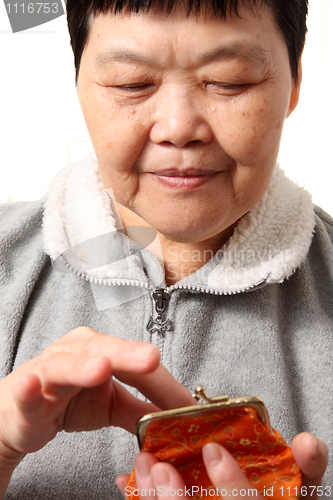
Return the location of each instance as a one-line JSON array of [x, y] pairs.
[[113, 128], [250, 129], [118, 133]]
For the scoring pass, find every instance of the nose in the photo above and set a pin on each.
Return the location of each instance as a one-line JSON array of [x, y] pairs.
[[180, 118]]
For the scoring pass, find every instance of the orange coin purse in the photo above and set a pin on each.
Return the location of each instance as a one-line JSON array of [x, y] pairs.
[[241, 425]]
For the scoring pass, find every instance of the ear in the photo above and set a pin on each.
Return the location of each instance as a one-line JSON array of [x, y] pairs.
[[296, 87]]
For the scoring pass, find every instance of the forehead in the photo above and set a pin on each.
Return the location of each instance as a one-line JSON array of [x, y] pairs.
[[249, 35]]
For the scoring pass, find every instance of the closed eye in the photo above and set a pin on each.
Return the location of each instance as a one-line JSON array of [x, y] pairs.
[[136, 87], [226, 89]]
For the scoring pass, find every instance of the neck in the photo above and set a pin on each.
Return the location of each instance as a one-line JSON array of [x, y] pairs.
[[182, 259], [179, 259]]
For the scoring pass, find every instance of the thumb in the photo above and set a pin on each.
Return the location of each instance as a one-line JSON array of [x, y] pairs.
[[311, 455]]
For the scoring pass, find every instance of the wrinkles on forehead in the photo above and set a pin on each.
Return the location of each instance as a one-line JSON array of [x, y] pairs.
[[251, 53]]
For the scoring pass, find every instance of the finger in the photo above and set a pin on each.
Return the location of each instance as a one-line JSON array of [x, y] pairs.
[[64, 368], [167, 482], [63, 374], [133, 362], [121, 482], [131, 356], [29, 416], [143, 476], [311, 455], [116, 407], [27, 393], [173, 395], [30, 404], [127, 409], [225, 473]]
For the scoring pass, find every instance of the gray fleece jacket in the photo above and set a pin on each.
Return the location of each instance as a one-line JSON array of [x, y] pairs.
[[257, 319]]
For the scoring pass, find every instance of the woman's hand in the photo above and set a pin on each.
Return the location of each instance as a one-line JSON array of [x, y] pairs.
[[70, 387], [160, 478]]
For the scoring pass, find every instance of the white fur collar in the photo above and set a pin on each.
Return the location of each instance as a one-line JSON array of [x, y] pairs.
[[269, 243]]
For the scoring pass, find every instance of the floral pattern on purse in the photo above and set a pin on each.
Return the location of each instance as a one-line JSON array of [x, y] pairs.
[[241, 425]]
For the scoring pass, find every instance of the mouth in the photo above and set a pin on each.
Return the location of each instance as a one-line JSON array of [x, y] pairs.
[[184, 180]]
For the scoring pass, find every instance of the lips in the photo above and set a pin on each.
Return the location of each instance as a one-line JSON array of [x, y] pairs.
[[188, 172], [183, 179]]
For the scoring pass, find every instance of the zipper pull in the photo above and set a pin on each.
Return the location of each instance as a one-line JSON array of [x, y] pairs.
[[161, 298], [160, 324]]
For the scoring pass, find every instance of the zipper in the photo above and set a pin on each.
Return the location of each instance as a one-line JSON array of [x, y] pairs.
[[159, 325], [142, 284]]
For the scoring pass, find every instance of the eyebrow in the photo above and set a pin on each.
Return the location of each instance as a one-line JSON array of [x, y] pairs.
[[113, 55], [251, 53]]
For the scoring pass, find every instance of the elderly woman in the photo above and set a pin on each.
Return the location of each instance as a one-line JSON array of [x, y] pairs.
[[183, 233]]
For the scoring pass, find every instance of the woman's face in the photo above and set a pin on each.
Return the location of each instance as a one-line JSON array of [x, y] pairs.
[[186, 115]]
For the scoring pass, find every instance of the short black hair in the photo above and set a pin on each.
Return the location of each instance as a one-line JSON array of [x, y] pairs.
[[290, 17]]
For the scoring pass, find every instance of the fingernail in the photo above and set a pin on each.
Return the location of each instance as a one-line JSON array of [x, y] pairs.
[[160, 476], [142, 468], [212, 454]]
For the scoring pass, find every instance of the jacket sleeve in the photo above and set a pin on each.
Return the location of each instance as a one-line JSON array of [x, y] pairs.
[[21, 263]]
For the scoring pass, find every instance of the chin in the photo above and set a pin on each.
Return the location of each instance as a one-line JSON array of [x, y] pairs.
[[193, 228], [184, 235]]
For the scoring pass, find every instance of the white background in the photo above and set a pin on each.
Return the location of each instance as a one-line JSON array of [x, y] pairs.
[[41, 127]]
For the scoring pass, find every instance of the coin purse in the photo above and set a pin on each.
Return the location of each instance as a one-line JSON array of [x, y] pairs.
[[240, 425]]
